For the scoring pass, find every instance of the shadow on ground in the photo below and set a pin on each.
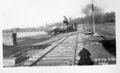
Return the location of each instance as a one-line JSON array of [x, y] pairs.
[[110, 45]]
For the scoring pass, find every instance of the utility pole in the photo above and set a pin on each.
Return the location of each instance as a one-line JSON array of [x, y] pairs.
[[93, 17]]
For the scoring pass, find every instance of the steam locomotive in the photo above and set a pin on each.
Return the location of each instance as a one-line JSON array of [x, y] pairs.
[[64, 28]]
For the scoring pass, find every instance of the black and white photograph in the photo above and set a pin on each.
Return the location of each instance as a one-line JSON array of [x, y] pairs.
[[52, 33]]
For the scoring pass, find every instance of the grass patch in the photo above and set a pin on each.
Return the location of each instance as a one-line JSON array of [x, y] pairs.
[[108, 31], [9, 50], [24, 45]]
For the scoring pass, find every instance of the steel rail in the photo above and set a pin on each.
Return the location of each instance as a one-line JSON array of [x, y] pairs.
[[75, 49]]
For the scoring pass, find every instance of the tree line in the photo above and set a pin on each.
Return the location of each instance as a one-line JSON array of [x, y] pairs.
[[99, 16]]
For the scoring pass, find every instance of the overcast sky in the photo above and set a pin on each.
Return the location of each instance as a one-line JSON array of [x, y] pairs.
[[33, 13]]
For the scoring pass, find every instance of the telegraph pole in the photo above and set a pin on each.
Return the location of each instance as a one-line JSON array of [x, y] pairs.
[[93, 17]]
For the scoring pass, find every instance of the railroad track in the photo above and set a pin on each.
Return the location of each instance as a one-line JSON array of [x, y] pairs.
[[62, 54]]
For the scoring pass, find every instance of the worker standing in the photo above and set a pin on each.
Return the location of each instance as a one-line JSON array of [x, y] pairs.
[[65, 21]]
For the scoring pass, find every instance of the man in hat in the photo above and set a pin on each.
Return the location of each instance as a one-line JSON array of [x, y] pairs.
[[85, 58]]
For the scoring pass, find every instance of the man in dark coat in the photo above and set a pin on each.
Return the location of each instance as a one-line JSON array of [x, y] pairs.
[[85, 58]]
